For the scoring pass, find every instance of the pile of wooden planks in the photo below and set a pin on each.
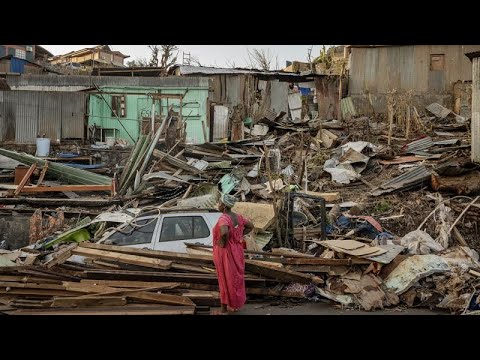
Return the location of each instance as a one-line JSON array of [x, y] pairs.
[[121, 280]]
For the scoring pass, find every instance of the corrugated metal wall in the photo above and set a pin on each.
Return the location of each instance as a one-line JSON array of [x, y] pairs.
[[194, 110], [26, 114], [79, 82], [476, 110], [327, 97], [381, 69]]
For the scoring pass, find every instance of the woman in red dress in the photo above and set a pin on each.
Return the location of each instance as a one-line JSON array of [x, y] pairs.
[[228, 255]]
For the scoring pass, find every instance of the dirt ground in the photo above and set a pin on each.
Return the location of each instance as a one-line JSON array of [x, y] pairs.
[[320, 308]]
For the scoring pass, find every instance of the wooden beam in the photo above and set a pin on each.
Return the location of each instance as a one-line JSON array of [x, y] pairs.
[[60, 256], [133, 309], [62, 188], [124, 258], [42, 174], [94, 301], [25, 179], [131, 284], [167, 255], [279, 274]]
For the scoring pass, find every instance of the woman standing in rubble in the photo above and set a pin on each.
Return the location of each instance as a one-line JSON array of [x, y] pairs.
[[228, 255]]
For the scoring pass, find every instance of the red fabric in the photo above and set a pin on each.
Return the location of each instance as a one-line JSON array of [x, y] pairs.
[[230, 263]]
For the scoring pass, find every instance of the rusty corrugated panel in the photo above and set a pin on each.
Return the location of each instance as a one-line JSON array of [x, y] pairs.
[[420, 144], [26, 116], [50, 115], [73, 115], [405, 181]]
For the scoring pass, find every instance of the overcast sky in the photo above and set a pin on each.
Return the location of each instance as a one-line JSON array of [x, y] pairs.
[[209, 55]]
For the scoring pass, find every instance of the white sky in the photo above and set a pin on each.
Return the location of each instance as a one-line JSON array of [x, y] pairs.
[[209, 55]]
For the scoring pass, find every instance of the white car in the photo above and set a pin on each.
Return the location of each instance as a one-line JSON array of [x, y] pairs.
[[165, 231]]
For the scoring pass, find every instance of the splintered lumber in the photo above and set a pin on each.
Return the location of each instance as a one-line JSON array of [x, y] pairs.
[[85, 302], [70, 174], [25, 178], [279, 274], [191, 268], [28, 279], [87, 202], [131, 284], [175, 162], [131, 309], [167, 299], [125, 258], [329, 197], [166, 255], [65, 188], [60, 256], [160, 276]]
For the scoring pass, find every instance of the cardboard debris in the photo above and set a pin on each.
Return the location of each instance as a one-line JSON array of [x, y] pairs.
[[262, 215], [352, 247]]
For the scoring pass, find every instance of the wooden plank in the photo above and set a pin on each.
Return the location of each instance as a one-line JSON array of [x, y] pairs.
[[160, 298], [401, 160], [124, 258], [167, 255], [39, 292], [192, 268], [160, 276], [86, 302], [60, 256], [64, 188], [131, 284], [25, 179], [42, 174], [283, 275], [28, 279], [124, 310], [330, 196]]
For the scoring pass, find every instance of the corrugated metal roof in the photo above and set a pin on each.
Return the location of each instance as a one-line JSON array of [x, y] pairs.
[[404, 181], [192, 70], [420, 144], [79, 82]]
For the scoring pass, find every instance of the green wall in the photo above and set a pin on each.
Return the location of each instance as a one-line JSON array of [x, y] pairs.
[[194, 110]]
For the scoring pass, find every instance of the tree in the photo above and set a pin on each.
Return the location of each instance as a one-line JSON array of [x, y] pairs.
[[262, 59], [168, 56], [155, 49], [139, 62]]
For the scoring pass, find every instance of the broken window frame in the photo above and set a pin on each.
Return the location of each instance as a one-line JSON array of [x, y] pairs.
[[119, 106]]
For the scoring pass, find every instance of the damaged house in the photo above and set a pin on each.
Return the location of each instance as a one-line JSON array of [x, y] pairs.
[[63, 107], [431, 73], [239, 94]]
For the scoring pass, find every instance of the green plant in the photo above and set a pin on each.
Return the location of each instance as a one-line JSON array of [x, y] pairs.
[[382, 207]]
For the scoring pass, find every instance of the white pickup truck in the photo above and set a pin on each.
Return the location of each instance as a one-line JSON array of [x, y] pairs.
[[165, 231]]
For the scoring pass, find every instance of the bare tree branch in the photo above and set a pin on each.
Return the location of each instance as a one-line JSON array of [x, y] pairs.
[[139, 62], [261, 59], [230, 64]]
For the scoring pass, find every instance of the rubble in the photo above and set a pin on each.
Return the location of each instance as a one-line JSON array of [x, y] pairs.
[[347, 210]]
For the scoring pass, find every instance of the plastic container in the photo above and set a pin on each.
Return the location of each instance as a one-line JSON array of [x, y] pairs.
[[43, 147], [110, 140]]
